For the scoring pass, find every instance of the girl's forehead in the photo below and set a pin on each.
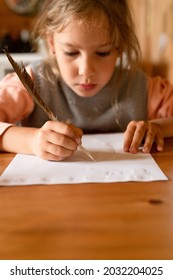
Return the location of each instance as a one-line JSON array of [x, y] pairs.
[[86, 26], [88, 21], [92, 22]]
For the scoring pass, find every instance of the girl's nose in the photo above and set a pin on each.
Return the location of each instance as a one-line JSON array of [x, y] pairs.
[[86, 67]]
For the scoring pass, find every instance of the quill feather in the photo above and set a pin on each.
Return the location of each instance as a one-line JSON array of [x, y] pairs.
[[29, 85]]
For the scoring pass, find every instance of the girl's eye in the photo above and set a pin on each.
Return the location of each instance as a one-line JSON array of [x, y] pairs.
[[71, 53], [103, 54]]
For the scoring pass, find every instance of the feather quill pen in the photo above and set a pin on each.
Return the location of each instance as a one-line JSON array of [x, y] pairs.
[[29, 85]]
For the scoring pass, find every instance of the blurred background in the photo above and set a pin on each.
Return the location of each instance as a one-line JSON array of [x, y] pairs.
[[154, 26], [153, 21]]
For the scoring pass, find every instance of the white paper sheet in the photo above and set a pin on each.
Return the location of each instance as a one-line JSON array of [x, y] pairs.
[[112, 165]]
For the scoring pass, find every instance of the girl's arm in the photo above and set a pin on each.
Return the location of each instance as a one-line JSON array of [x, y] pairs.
[[15, 103], [53, 141], [160, 98]]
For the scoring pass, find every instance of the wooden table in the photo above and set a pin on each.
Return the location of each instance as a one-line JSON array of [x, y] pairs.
[[89, 221]]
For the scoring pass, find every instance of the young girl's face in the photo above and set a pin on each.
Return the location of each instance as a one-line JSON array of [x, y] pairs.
[[85, 55]]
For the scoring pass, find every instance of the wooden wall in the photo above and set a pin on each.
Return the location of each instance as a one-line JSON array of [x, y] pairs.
[[154, 26]]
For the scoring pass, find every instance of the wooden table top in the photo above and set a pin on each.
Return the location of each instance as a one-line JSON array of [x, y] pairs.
[[120, 221]]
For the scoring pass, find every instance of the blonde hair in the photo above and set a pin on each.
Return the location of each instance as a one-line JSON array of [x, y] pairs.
[[56, 14]]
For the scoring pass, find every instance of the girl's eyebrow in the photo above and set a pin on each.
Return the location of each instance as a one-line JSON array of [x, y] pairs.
[[68, 44], [77, 46]]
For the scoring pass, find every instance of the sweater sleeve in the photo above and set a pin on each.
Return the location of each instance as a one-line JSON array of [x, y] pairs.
[[15, 103], [160, 98]]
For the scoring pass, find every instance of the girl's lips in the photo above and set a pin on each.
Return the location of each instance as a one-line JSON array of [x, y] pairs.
[[86, 86]]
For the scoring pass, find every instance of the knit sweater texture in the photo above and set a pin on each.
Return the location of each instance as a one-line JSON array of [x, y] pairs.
[[123, 99]]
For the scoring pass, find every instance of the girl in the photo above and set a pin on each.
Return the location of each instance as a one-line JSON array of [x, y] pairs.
[[86, 81]]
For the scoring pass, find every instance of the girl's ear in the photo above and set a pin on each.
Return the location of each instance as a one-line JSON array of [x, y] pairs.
[[50, 43]]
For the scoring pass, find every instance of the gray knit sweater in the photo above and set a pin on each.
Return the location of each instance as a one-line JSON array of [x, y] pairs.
[[110, 110]]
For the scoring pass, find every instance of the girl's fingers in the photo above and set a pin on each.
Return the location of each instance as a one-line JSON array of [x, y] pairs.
[[56, 140], [134, 135], [138, 136], [128, 135], [58, 151], [149, 140], [62, 141], [153, 134], [53, 151], [140, 131], [64, 129], [50, 156], [159, 139]]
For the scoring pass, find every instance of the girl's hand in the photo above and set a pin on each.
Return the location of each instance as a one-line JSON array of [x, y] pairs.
[[56, 140], [143, 133]]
